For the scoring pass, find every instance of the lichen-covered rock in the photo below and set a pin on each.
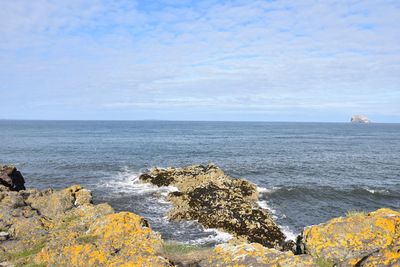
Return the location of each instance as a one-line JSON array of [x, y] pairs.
[[112, 240], [357, 239], [386, 257], [215, 200], [63, 228], [255, 255]]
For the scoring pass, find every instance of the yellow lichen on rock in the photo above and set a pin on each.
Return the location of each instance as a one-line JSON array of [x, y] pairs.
[[64, 228], [354, 237], [111, 240], [255, 255]]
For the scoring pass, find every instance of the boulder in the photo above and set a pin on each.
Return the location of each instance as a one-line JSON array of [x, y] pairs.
[[357, 240], [208, 195], [10, 177]]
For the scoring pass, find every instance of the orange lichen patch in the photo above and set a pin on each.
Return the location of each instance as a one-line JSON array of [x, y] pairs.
[[344, 238], [125, 230], [111, 240], [386, 257], [255, 255], [76, 255]]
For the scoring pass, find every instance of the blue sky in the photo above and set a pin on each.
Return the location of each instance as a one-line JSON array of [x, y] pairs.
[[200, 60]]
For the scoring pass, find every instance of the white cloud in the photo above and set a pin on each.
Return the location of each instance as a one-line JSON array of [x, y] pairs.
[[212, 55]]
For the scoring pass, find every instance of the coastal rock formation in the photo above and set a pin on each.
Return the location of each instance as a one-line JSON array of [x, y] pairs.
[[215, 200], [10, 177], [63, 228], [360, 119], [255, 255], [358, 240]]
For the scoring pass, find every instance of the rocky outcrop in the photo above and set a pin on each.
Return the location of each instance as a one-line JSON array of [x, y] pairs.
[[10, 177], [208, 195], [358, 240], [359, 119], [63, 228], [255, 255]]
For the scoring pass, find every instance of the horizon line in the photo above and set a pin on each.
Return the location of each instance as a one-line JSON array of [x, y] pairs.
[[177, 120]]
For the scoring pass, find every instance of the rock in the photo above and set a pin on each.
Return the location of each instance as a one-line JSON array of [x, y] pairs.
[[4, 236], [357, 239], [255, 255], [113, 240], [63, 228], [389, 256], [215, 200], [10, 177], [360, 119]]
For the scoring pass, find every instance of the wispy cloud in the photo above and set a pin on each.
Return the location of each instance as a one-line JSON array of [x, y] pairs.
[[159, 59]]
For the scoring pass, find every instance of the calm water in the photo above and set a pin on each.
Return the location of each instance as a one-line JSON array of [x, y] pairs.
[[308, 172]]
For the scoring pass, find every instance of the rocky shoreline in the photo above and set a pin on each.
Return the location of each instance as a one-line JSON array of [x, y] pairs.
[[64, 228]]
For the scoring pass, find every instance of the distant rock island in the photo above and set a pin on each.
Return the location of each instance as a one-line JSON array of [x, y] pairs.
[[360, 119]]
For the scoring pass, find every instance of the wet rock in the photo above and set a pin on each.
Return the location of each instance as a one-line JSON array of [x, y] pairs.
[[357, 239], [215, 200], [11, 178], [255, 255]]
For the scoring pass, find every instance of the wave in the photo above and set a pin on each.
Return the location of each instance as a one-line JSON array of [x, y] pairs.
[[216, 237], [127, 181], [263, 203]]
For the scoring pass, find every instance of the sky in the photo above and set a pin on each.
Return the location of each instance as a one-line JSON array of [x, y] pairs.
[[200, 60]]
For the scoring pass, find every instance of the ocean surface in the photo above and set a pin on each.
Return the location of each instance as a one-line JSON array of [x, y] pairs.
[[307, 173]]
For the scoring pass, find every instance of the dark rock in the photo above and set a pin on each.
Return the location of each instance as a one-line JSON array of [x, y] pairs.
[[216, 200], [11, 178]]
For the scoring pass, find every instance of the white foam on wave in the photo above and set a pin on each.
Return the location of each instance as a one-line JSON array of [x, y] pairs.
[[216, 236], [127, 181], [373, 191], [263, 190], [290, 235]]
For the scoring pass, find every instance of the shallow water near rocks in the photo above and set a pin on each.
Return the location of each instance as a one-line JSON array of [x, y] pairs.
[[307, 172]]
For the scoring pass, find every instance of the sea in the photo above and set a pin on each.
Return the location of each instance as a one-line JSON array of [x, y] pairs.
[[306, 173]]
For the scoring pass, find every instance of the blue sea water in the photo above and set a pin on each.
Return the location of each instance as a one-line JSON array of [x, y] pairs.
[[307, 172]]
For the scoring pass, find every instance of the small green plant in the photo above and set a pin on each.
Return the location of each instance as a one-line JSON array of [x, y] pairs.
[[322, 262], [85, 239], [351, 213], [182, 248], [29, 252], [24, 258], [180, 252], [32, 265], [67, 221]]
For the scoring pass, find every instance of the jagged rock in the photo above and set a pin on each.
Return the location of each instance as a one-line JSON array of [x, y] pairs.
[[63, 228], [10, 177], [357, 239], [215, 200], [359, 119], [255, 255]]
